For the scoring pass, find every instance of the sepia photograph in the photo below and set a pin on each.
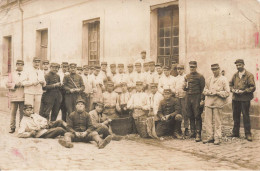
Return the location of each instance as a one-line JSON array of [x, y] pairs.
[[129, 85]]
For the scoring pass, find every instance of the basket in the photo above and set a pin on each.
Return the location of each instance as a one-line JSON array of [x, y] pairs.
[[122, 126], [141, 127]]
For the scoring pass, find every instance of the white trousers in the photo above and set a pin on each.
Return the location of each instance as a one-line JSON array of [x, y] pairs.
[[213, 115], [34, 100]]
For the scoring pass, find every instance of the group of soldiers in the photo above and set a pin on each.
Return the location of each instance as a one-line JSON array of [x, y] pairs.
[[90, 97]]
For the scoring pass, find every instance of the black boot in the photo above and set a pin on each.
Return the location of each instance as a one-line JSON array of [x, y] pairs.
[[12, 130], [249, 137], [198, 137], [186, 132], [192, 134]]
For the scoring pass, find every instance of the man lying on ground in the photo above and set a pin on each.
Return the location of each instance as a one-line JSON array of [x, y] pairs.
[[34, 125]]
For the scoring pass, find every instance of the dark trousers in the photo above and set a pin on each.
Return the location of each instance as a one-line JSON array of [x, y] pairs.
[[163, 128], [86, 98], [41, 112], [103, 130], [63, 107], [193, 111], [70, 101], [182, 102], [93, 136], [56, 129], [51, 103], [14, 107], [238, 107]]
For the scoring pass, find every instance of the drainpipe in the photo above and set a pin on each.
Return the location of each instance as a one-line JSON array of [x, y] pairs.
[[21, 10]]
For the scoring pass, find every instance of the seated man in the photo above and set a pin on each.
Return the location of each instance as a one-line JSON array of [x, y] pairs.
[[101, 122], [34, 125], [169, 118], [82, 129]]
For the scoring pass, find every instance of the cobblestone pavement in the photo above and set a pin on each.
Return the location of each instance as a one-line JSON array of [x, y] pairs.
[[131, 153]]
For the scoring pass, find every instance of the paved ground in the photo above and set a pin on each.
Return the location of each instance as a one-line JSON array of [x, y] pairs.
[[131, 153]]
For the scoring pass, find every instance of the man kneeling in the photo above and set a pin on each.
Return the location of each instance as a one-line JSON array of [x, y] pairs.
[[82, 129], [170, 119], [34, 125]]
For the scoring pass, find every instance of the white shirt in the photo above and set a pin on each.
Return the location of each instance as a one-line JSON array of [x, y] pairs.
[[138, 99], [167, 82], [180, 81], [154, 101]]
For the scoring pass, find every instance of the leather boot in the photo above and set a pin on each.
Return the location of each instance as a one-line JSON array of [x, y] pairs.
[[102, 143], [198, 137], [192, 134], [12, 130], [66, 142], [249, 137], [186, 132]]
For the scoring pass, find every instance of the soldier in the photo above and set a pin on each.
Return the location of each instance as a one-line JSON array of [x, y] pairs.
[[159, 73], [181, 95], [138, 103], [103, 72], [123, 99], [143, 58], [91, 70], [174, 69], [87, 95], [97, 87], [16, 93], [33, 85], [138, 75], [33, 125], [242, 86], [216, 92], [169, 116], [167, 81], [53, 97], [74, 86], [110, 99], [64, 71], [151, 76], [154, 100], [79, 70], [46, 66], [112, 72], [194, 86], [119, 78], [130, 74], [82, 129]]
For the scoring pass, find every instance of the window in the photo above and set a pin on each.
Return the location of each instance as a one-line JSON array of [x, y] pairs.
[[42, 43], [91, 41], [168, 35], [7, 60]]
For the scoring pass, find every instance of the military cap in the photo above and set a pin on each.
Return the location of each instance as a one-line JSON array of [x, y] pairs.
[[138, 64], [20, 62], [54, 65], [64, 63], [152, 63], [193, 63], [153, 85], [80, 100], [143, 51], [110, 83], [123, 83], [103, 63], [46, 62], [100, 104], [79, 68], [112, 65], [85, 67], [159, 65], [27, 106], [120, 65], [73, 65], [166, 68], [167, 90], [139, 82], [130, 65], [174, 62], [58, 65], [241, 61], [214, 66], [180, 66], [97, 67], [36, 59], [92, 67], [146, 64]]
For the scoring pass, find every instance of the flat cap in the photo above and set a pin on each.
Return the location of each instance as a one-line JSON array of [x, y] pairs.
[[46, 62], [27, 106], [241, 61], [214, 66], [180, 66], [73, 65], [193, 63], [20, 62], [36, 59], [103, 63]]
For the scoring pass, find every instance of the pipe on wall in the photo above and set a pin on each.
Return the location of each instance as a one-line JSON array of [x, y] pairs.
[[21, 10]]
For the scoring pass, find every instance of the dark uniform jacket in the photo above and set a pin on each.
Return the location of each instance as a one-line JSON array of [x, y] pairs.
[[51, 78], [167, 107], [246, 83], [73, 81], [80, 122], [196, 83]]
